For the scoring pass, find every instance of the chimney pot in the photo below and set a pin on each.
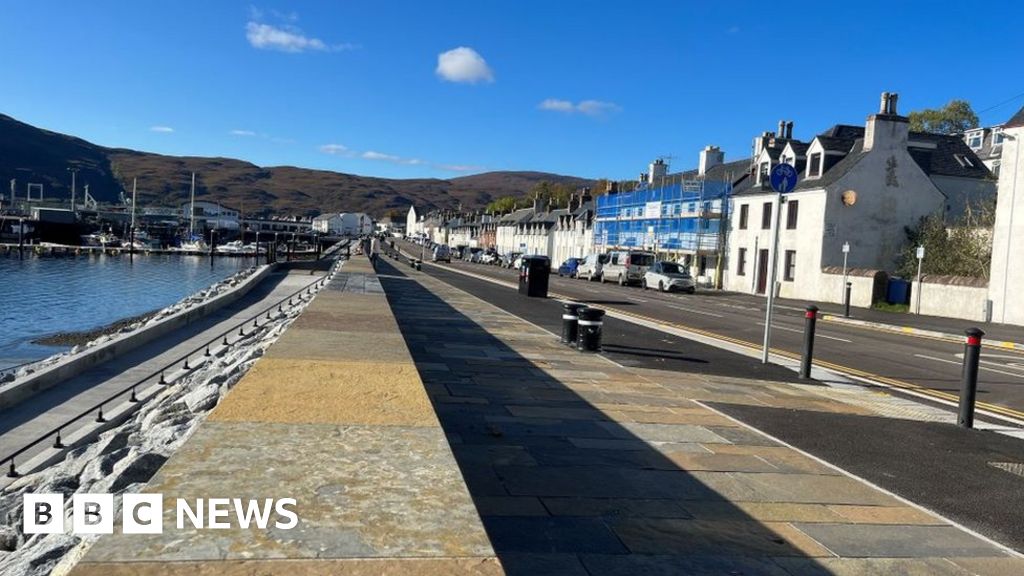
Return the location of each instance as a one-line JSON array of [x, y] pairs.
[[883, 107], [893, 97], [789, 130], [782, 129]]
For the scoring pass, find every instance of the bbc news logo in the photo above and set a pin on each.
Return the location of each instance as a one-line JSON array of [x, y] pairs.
[[144, 513]]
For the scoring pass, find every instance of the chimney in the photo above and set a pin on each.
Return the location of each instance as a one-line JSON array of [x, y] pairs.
[[886, 130], [540, 205], [789, 130], [656, 171], [574, 202], [782, 129], [611, 187], [710, 157], [585, 196]]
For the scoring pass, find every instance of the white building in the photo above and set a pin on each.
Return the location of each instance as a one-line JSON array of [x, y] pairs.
[[987, 143], [573, 233], [343, 224], [1007, 273], [212, 215], [862, 186], [413, 223]]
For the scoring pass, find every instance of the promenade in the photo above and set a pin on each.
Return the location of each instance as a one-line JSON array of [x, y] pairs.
[[425, 431]]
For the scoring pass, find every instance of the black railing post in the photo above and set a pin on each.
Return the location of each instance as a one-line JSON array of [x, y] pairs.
[[57, 443], [969, 385], [810, 322], [846, 303]]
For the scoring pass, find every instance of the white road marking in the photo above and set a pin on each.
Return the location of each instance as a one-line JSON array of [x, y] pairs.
[[817, 334], [1003, 372]]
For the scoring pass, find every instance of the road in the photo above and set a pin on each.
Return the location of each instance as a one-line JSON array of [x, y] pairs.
[[926, 365]]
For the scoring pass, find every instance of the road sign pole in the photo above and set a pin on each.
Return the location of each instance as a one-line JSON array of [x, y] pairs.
[[772, 266], [917, 284]]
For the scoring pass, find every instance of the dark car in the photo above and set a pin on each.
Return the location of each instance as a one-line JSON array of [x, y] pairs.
[[568, 268]]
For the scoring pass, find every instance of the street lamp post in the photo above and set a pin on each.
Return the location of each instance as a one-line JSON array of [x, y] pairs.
[[846, 254], [74, 172]]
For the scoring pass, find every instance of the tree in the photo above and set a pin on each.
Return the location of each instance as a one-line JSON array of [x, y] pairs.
[[954, 118], [961, 249]]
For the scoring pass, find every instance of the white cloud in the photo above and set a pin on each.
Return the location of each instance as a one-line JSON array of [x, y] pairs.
[[345, 151], [287, 38], [163, 129], [463, 65], [242, 133], [336, 150], [587, 107]]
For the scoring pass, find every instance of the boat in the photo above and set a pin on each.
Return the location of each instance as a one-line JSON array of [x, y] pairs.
[[103, 239], [233, 247], [193, 244]]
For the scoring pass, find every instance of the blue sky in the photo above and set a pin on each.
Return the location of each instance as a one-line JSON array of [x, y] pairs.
[[595, 89]]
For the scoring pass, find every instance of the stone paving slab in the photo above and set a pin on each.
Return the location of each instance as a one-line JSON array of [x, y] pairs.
[[336, 416], [684, 489]]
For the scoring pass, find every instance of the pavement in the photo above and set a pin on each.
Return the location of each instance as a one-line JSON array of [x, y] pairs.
[[579, 464], [335, 416]]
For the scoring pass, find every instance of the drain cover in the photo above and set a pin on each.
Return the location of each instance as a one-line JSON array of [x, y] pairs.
[[1011, 467]]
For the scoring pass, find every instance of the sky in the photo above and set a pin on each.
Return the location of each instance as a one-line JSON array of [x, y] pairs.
[[410, 89]]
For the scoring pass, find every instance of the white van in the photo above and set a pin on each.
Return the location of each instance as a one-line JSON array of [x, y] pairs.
[[591, 267], [627, 266]]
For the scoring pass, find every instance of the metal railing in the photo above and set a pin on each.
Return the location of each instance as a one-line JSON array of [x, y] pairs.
[[203, 350]]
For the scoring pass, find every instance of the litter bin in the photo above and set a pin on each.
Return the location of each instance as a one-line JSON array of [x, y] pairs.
[[590, 322], [533, 276], [570, 316]]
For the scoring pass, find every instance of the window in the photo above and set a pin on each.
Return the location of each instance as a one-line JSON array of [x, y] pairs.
[[766, 216], [792, 209], [790, 266], [744, 215], [975, 139], [762, 173], [995, 168], [814, 166], [741, 263], [997, 136]]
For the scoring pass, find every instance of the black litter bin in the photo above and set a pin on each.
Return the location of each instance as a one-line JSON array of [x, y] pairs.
[[533, 276], [570, 316], [590, 323]]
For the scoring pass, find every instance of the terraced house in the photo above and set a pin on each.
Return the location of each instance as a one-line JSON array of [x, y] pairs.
[[861, 186]]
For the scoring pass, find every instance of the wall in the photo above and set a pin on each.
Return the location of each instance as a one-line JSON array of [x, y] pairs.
[[71, 366], [951, 297], [1007, 275]]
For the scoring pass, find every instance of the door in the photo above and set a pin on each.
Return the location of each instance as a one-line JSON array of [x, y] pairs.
[[762, 271]]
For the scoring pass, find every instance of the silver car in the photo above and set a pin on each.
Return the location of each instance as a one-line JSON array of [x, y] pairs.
[[668, 277]]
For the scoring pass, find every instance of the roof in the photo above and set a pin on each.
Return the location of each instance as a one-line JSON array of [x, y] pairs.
[[799, 148], [516, 216], [1017, 120], [943, 159], [728, 172]]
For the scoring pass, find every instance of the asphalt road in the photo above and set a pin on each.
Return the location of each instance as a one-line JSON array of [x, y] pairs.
[[932, 366]]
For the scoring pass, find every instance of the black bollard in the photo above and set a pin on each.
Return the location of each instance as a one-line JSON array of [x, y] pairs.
[[811, 320], [846, 304], [570, 322], [969, 386], [588, 337]]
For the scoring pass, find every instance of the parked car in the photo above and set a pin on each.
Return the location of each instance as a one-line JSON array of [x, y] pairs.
[[508, 259], [626, 266], [518, 262], [442, 253], [591, 267], [569, 267], [490, 256], [668, 277], [474, 255]]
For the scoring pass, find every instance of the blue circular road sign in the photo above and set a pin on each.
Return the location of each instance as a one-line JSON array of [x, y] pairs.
[[783, 178]]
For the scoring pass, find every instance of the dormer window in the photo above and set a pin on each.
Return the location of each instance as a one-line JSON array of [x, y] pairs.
[[975, 139], [762, 172], [814, 165], [997, 136]]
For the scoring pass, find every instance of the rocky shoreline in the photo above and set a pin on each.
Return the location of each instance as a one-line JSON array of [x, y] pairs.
[[84, 337]]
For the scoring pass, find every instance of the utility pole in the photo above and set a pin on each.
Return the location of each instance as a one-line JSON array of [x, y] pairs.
[[917, 284], [773, 262], [846, 254]]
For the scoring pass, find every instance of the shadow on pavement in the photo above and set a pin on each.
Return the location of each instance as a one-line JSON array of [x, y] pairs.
[[561, 487]]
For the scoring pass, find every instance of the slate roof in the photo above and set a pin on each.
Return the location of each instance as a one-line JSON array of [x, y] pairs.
[[1016, 121], [734, 171], [942, 161], [516, 216], [799, 148]]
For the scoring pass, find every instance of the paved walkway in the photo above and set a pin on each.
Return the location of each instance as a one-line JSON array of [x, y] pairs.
[[581, 466], [335, 416]]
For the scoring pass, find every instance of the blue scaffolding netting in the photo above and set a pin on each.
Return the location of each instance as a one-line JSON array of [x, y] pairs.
[[685, 216]]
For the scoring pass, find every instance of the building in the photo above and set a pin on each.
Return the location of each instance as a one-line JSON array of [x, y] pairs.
[[343, 224], [413, 224], [678, 216], [212, 215], [1007, 272], [987, 143], [505, 235], [573, 233], [859, 186]]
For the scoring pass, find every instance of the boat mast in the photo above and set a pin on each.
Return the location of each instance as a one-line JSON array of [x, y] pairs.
[[192, 209], [134, 182]]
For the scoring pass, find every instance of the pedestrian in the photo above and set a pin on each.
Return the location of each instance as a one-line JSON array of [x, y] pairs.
[[374, 251]]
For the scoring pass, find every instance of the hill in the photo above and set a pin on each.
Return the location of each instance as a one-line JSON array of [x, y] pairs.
[[31, 154]]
